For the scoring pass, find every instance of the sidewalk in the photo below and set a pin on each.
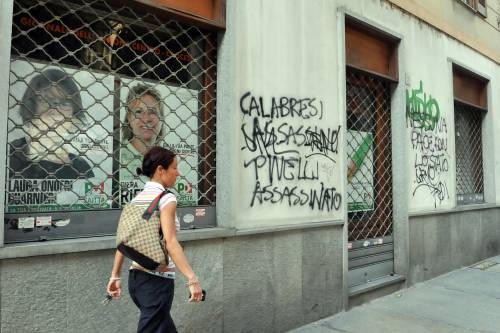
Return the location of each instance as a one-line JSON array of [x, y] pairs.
[[465, 300]]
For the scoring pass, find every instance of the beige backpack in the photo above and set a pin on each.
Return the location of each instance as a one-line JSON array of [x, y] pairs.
[[139, 235]]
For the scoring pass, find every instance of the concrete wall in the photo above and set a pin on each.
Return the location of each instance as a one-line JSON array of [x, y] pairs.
[[301, 56], [449, 16], [279, 52], [263, 283], [443, 242], [432, 184]]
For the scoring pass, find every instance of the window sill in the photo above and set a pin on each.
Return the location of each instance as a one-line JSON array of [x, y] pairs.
[[262, 230], [51, 247], [458, 209]]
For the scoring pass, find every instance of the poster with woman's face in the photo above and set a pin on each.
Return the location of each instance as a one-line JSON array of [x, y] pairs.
[[60, 138], [162, 115]]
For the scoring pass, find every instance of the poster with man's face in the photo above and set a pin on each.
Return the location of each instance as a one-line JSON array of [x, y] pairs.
[[60, 138], [160, 115]]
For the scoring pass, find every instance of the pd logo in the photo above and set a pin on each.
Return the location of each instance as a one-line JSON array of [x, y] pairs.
[[97, 189], [95, 195], [184, 187]]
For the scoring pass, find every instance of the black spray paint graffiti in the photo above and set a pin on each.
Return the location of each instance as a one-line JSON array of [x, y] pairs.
[[429, 142], [281, 107], [285, 153]]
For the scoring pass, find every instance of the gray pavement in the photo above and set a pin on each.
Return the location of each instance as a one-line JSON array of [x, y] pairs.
[[465, 300]]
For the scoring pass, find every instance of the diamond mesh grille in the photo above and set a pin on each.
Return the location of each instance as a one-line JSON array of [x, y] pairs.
[[92, 86], [469, 150], [369, 172]]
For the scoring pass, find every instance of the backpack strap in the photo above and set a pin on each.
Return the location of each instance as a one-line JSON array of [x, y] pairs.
[[153, 205]]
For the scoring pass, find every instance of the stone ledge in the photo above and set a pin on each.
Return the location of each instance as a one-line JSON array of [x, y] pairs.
[[51, 247], [458, 209], [262, 230]]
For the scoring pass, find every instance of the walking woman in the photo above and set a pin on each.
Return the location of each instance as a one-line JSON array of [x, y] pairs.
[[153, 291]]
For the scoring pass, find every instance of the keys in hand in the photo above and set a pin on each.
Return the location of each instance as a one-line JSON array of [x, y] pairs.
[[107, 300]]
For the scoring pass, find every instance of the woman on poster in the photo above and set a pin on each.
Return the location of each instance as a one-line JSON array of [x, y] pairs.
[[142, 126], [142, 129], [52, 114]]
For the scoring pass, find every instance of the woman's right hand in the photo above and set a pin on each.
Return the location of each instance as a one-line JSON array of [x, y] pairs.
[[196, 292], [114, 288]]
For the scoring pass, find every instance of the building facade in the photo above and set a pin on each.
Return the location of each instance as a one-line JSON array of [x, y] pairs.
[[331, 152]]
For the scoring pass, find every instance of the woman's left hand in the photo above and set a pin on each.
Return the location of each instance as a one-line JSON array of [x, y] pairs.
[[196, 292]]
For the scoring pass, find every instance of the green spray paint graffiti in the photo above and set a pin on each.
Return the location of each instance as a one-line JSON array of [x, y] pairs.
[[421, 113], [429, 143]]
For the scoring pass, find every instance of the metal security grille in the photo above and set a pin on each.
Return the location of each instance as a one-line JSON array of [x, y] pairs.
[[369, 178], [92, 87], [469, 153], [369, 157]]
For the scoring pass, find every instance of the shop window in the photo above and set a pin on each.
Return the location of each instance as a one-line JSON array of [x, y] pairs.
[[478, 6], [481, 7], [371, 59], [470, 108], [92, 86], [469, 154]]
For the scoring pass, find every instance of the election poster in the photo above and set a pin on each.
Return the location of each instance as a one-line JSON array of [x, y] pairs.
[[360, 171], [155, 114], [60, 129]]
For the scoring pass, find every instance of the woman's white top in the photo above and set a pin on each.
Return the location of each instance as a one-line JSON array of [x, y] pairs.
[[149, 193]]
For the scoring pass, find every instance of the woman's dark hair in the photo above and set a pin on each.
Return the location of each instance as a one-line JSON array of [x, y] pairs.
[[154, 157], [135, 93], [45, 80]]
